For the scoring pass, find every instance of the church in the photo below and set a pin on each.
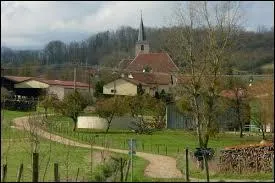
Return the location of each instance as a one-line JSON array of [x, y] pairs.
[[145, 61], [153, 71]]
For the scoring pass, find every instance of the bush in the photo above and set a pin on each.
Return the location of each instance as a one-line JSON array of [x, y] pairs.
[[18, 105]]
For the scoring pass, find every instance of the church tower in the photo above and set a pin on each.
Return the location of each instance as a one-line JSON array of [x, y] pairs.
[[142, 46]]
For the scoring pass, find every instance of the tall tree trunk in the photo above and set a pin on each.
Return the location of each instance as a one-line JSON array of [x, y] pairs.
[[46, 112], [239, 117], [108, 126], [197, 121], [75, 123]]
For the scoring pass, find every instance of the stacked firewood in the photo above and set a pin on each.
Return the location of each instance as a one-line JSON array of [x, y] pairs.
[[249, 158]]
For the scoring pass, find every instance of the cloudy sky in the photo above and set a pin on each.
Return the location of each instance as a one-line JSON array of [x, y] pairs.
[[31, 25]]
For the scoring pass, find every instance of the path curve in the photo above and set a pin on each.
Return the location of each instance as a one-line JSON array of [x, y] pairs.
[[159, 166]]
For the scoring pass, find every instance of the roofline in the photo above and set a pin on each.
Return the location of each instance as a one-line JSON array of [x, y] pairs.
[[17, 76], [172, 60], [43, 81]]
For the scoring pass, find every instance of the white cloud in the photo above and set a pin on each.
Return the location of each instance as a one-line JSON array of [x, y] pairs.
[[34, 24]]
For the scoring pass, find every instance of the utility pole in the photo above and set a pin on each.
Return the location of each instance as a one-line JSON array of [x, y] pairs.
[[131, 160], [74, 79]]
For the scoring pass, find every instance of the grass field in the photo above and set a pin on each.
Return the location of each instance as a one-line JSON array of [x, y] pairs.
[[17, 149], [174, 140]]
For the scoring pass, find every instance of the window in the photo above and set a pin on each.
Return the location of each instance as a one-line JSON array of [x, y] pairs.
[[113, 91], [142, 47]]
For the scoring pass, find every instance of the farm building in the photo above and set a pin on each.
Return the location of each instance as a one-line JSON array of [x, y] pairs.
[[150, 82], [34, 87]]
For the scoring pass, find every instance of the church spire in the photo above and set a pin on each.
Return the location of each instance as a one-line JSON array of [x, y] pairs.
[[141, 33]]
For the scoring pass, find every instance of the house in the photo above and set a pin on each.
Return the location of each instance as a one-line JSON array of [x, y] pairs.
[[9, 83], [150, 83], [35, 87]]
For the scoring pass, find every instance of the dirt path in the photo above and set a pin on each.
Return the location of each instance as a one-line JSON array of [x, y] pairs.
[[159, 166]]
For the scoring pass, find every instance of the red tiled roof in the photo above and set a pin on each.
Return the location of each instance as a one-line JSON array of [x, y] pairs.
[[231, 93], [66, 84], [159, 62], [149, 78], [124, 63], [17, 78]]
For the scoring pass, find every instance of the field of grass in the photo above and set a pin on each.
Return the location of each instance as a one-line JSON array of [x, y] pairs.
[[174, 141], [16, 149], [158, 142], [6, 130]]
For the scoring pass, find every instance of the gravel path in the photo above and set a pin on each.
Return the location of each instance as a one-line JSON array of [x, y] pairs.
[[159, 166]]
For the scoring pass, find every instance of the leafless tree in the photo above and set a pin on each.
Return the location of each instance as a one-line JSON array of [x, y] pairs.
[[204, 36]]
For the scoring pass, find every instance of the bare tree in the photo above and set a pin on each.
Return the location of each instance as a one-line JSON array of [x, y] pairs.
[[203, 40], [204, 36]]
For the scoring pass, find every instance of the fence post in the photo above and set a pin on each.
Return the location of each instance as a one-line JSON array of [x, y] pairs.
[[166, 150], [178, 149], [127, 170], [77, 174], [206, 168], [19, 173], [121, 170], [158, 148], [4, 173], [187, 164], [56, 176], [35, 171]]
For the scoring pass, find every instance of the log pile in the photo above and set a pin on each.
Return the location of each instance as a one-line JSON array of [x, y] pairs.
[[248, 158]]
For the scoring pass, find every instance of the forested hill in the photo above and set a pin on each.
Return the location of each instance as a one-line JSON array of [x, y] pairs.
[[255, 49]]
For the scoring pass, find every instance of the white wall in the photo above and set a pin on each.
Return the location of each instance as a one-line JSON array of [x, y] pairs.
[[122, 88], [93, 122], [59, 91]]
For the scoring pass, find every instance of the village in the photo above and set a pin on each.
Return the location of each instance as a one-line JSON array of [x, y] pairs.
[[146, 118]]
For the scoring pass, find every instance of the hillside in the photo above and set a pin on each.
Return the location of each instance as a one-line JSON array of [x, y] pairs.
[[253, 50]]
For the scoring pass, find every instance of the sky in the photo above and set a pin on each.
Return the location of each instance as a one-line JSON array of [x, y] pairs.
[[31, 24]]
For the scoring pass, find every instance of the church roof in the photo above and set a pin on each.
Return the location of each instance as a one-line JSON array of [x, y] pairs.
[[158, 62], [141, 33]]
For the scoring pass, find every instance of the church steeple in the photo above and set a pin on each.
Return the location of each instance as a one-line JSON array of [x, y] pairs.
[[142, 46], [141, 33]]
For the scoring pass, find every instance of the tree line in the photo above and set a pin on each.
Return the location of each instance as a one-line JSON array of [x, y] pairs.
[[251, 51]]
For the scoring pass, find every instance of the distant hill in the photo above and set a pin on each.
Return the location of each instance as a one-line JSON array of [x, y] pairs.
[[253, 51]]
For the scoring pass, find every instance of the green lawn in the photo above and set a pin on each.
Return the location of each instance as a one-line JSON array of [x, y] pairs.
[[16, 149], [174, 140], [6, 131]]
